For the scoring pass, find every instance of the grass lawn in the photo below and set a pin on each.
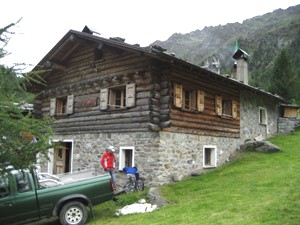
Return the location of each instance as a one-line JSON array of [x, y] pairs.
[[256, 188]]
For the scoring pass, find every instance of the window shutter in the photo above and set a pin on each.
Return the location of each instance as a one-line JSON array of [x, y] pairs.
[[200, 100], [52, 106], [103, 98], [218, 105], [234, 108], [130, 95], [178, 95], [194, 100], [70, 104]]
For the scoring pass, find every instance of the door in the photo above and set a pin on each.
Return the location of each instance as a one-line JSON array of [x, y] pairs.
[[61, 159]]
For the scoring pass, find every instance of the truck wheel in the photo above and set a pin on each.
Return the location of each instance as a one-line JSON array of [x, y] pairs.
[[73, 213]]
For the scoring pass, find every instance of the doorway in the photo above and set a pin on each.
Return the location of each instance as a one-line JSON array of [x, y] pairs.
[[62, 158]]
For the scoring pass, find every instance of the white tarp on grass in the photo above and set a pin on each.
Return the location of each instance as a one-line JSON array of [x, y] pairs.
[[140, 207]]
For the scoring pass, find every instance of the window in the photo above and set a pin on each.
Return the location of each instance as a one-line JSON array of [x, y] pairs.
[[98, 54], [126, 157], [62, 105], [226, 106], [22, 180], [209, 156], [188, 99], [117, 97], [4, 186], [262, 116]]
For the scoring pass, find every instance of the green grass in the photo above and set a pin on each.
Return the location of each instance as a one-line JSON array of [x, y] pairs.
[[256, 188]]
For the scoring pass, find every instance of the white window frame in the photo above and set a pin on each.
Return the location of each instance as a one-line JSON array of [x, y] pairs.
[[122, 156], [260, 120], [213, 156]]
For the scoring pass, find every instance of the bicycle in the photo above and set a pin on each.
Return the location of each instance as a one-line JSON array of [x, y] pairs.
[[133, 184]]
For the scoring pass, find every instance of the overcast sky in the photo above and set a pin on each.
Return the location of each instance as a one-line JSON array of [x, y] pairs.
[[142, 22]]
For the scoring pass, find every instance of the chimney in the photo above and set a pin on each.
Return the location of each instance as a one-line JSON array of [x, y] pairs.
[[241, 65]]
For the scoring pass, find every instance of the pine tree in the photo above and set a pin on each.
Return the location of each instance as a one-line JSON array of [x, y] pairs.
[[22, 136], [282, 79]]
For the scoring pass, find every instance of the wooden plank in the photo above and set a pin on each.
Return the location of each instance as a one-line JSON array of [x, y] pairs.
[[201, 132]]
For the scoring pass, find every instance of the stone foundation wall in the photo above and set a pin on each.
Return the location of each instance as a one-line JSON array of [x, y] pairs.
[[182, 154], [161, 157], [88, 148], [287, 125]]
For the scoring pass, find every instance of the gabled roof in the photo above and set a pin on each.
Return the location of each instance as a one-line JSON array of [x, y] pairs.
[[62, 51]]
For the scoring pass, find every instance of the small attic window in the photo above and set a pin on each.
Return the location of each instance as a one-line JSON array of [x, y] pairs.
[[98, 54]]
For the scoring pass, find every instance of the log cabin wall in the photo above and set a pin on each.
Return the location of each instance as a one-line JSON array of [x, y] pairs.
[[205, 120], [85, 77]]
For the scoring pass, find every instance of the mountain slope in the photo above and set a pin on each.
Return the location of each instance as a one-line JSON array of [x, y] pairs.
[[262, 37]]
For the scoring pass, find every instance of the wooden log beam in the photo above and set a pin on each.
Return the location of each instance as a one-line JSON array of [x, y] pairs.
[[165, 111], [165, 99], [153, 101], [154, 120], [164, 84], [165, 91], [153, 127], [164, 106], [120, 130], [200, 132], [164, 118], [146, 87], [154, 108], [212, 119], [112, 122], [187, 125], [143, 81], [165, 124], [146, 94], [111, 127], [55, 66], [142, 101], [152, 113]]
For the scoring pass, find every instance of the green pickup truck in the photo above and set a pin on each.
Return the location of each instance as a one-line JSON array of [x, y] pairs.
[[27, 196]]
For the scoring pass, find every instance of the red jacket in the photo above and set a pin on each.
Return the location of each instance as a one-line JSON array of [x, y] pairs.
[[108, 160]]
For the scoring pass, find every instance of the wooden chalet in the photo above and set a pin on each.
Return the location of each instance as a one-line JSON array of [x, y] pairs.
[[164, 114]]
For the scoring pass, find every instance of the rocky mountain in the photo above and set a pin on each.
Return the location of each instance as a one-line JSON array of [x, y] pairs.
[[262, 37]]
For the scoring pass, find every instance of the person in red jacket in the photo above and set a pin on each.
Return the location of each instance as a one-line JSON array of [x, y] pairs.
[[108, 162]]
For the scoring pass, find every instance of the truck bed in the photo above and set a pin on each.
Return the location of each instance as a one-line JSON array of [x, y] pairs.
[[78, 176], [49, 180]]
